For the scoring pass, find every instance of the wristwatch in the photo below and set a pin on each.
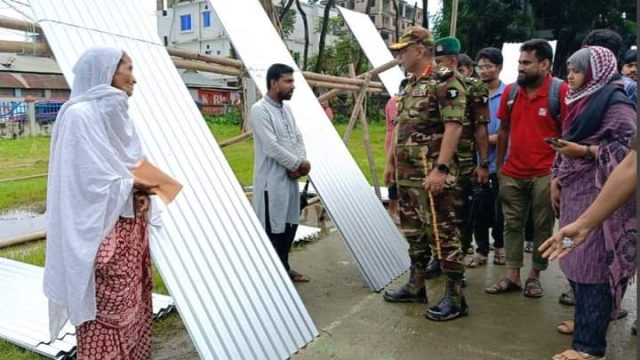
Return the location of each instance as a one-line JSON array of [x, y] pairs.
[[442, 168], [484, 164]]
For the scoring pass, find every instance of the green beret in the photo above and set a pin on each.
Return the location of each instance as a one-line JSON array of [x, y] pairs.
[[449, 45]]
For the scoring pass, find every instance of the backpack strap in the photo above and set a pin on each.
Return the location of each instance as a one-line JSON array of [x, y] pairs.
[[554, 99], [513, 94]]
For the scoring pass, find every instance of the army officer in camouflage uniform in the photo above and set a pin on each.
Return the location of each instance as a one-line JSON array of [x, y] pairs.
[[427, 130], [474, 133]]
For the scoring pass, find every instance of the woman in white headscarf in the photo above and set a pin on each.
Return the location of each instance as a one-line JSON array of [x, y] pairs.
[[98, 269]]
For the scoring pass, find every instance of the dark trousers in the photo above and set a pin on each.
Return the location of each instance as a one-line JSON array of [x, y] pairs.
[[487, 210], [281, 242], [594, 304], [468, 218], [528, 227]]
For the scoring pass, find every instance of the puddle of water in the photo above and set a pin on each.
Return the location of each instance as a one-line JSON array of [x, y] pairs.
[[20, 222]]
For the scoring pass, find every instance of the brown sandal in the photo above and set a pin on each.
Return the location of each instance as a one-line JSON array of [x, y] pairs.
[[475, 260], [575, 355], [499, 256], [503, 286], [566, 327], [533, 288]]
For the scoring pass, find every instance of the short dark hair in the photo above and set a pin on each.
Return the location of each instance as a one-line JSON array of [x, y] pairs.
[[606, 38], [464, 60], [492, 54], [276, 71], [630, 56], [541, 47]]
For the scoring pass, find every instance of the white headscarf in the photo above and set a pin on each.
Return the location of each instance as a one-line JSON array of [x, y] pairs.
[[93, 148]]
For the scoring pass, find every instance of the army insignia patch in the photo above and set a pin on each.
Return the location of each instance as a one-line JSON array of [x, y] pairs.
[[419, 92], [452, 93], [485, 99]]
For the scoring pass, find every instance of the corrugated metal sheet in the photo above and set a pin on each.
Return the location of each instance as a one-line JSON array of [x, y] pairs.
[[371, 236], [235, 298], [374, 47], [24, 314], [27, 63]]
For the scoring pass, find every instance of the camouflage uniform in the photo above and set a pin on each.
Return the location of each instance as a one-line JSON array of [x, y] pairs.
[[476, 114], [427, 104]]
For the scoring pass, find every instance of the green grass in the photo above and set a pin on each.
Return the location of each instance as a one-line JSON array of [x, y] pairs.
[[240, 156], [19, 158], [24, 157]]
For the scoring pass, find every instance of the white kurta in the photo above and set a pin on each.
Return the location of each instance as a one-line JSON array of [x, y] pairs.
[[278, 148]]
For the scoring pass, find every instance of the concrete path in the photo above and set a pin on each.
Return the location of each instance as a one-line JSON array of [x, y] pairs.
[[356, 324]]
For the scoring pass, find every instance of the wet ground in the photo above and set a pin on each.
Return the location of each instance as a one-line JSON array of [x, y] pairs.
[[355, 323]]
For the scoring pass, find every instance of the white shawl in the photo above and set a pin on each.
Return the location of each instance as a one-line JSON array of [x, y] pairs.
[[93, 148]]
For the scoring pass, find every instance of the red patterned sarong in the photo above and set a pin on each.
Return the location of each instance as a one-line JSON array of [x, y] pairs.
[[122, 329]]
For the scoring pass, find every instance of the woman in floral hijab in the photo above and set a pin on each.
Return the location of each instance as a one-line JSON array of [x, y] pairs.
[[596, 136]]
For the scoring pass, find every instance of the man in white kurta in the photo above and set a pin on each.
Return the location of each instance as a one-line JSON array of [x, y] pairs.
[[280, 160]]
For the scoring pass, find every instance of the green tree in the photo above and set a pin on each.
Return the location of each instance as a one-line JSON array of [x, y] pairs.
[[337, 57], [287, 18], [483, 23], [571, 20], [323, 33]]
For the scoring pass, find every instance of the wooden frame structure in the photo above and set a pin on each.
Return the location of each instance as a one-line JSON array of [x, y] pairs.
[[184, 59]]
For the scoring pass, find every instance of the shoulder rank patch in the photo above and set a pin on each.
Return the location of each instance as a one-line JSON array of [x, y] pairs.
[[452, 93]]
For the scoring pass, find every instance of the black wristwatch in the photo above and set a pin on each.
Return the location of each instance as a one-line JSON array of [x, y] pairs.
[[484, 164], [442, 168]]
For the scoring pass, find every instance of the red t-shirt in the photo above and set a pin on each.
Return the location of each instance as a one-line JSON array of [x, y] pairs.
[[531, 122]]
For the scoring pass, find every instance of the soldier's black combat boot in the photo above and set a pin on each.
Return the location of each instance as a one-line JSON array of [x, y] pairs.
[[453, 305], [413, 291], [433, 269]]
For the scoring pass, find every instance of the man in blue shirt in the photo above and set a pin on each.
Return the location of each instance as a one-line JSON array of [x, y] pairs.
[[630, 73], [487, 209]]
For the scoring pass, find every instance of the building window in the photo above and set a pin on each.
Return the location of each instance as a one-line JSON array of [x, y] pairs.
[[185, 22], [206, 19]]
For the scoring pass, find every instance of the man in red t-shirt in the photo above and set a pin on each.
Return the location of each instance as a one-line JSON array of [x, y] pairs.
[[525, 177]]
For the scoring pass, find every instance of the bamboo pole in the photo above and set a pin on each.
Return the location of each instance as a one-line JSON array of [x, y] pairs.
[[337, 79], [237, 139], [371, 159], [328, 85], [185, 54], [354, 114], [29, 177], [362, 115], [382, 68], [207, 67], [22, 239], [22, 47], [454, 18], [20, 25]]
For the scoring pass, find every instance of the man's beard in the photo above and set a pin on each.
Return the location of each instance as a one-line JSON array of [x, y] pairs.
[[286, 95], [528, 79]]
